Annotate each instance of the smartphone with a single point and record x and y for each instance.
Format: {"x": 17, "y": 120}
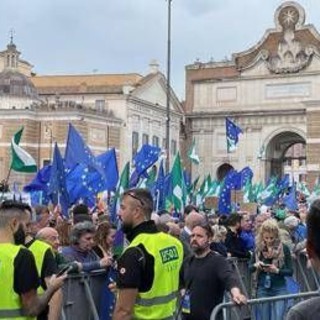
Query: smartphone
{"x": 64, "y": 270}
{"x": 265, "y": 265}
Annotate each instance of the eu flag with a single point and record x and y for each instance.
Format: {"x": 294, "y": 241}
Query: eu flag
{"x": 284, "y": 183}
{"x": 57, "y": 188}
{"x": 109, "y": 165}
{"x": 77, "y": 152}
{"x": 290, "y": 200}
{"x": 242, "y": 177}
{"x": 38, "y": 187}
{"x": 85, "y": 184}
{"x": 40, "y": 181}
{"x": 145, "y": 158}
{"x": 224, "y": 206}
{"x": 232, "y": 133}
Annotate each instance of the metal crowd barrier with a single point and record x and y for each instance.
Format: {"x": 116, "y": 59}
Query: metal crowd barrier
{"x": 303, "y": 273}
{"x": 241, "y": 269}
{"x": 82, "y": 292}
{"x": 82, "y": 295}
{"x": 231, "y": 311}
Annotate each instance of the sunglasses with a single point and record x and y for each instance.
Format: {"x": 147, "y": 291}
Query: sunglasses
{"x": 135, "y": 197}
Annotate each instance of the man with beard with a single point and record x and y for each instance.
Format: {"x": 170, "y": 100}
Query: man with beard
{"x": 148, "y": 270}
{"x": 18, "y": 272}
{"x": 205, "y": 276}
{"x": 45, "y": 262}
{"x": 233, "y": 241}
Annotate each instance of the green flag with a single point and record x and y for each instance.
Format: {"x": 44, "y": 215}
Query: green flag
{"x": 193, "y": 186}
{"x": 302, "y": 188}
{"x": 247, "y": 195}
{"x": 214, "y": 188}
{"x": 315, "y": 192}
{"x": 270, "y": 190}
{"x": 192, "y": 155}
{"x": 178, "y": 190}
{"x": 21, "y": 160}
{"x": 124, "y": 179}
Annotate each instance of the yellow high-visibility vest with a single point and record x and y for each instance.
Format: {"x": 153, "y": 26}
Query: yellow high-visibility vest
{"x": 10, "y": 302}
{"x": 39, "y": 248}
{"x": 160, "y": 301}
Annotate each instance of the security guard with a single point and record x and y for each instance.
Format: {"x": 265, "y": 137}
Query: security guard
{"x": 18, "y": 274}
{"x": 40, "y": 250}
{"x": 46, "y": 266}
{"x": 148, "y": 270}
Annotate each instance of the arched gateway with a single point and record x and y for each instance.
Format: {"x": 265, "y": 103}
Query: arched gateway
{"x": 285, "y": 154}
{"x": 272, "y": 92}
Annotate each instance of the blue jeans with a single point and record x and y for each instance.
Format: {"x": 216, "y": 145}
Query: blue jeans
{"x": 273, "y": 310}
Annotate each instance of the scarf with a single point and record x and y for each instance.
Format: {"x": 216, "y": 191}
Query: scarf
{"x": 275, "y": 253}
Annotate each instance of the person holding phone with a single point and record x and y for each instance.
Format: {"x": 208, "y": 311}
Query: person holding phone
{"x": 272, "y": 262}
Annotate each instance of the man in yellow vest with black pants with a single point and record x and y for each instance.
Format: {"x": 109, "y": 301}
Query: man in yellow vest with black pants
{"x": 18, "y": 273}
{"x": 148, "y": 270}
{"x": 46, "y": 266}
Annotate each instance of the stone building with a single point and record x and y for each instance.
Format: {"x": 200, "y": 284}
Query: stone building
{"x": 110, "y": 110}
{"x": 272, "y": 92}
{"x": 138, "y": 101}
{"x": 20, "y": 105}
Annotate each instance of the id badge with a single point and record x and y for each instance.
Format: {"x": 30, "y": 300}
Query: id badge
{"x": 186, "y": 303}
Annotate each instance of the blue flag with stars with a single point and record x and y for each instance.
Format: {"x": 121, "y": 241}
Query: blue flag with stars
{"x": 242, "y": 177}
{"x": 284, "y": 183}
{"x": 143, "y": 160}
{"x": 57, "y": 188}
{"x": 77, "y": 152}
{"x": 224, "y": 206}
{"x": 146, "y": 157}
{"x": 232, "y": 133}
{"x": 109, "y": 165}
{"x": 85, "y": 184}
{"x": 290, "y": 200}
{"x": 40, "y": 181}
{"x": 38, "y": 187}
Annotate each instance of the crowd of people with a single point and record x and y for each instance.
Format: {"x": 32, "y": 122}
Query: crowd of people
{"x": 169, "y": 268}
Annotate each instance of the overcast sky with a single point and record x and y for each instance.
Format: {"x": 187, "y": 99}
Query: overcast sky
{"x": 123, "y": 36}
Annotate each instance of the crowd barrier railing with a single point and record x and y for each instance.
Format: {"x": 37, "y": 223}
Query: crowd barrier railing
{"x": 303, "y": 273}
{"x": 82, "y": 292}
{"x": 241, "y": 269}
{"x": 82, "y": 295}
{"x": 231, "y": 311}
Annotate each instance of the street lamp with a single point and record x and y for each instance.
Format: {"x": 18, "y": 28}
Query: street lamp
{"x": 168, "y": 88}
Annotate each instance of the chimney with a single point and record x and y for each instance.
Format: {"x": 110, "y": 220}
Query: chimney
{"x": 154, "y": 66}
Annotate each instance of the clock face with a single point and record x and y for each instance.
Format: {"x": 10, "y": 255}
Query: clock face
{"x": 288, "y": 17}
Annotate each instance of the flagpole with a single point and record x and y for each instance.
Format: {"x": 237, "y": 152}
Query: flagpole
{"x": 157, "y": 201}
{"x": 168, "y": 88}
{"x": 8, "y": 175}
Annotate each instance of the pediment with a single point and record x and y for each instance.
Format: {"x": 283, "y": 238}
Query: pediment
{"x": 153, "y": 90}
{"x": 288, "y": 48}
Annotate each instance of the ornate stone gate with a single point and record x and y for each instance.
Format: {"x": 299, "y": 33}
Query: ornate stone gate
{"x": 272, "y": 91}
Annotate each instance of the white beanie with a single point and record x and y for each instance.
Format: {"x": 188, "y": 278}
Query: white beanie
{"x": 291, "y": 222}
{"x": 264, "y": 209}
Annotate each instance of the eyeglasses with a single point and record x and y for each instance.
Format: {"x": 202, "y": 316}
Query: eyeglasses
{"x": 135, "y": 197}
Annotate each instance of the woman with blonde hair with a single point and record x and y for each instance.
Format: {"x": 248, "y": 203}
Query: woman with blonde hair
{"x": 272, "y": 261}
{"x": 219, "y": 238}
